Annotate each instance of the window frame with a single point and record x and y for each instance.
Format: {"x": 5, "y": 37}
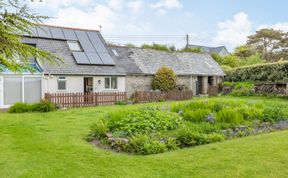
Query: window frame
{"x": 75, "y": 42}
{"x": 110, "y": 83}
{"x": 62, "y": 79}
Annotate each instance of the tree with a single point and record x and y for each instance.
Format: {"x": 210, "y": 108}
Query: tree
{"x": 267, "y": 42}
{"x": 164, "y": 80}
{"x": 15, "y": 20}
{"x": 244, "y": 51}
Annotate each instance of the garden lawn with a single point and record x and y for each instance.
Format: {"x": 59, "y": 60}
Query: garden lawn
{"x": 52, "y": 145}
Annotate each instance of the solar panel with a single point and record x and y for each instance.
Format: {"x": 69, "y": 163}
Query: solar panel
{"x": 85, "y": 42}
{"x": 94, "y": 58}
{"x": 106, "y": 58}
{"x": 43, "y": 32}
{"x": 100, "y": 48}
{"x": 57, "y": 33}
{"x": 81, "y": 58}
{"x": 70, "y": 34}
{"x": 97, "y": 42}
{"x": 33, "y": 31}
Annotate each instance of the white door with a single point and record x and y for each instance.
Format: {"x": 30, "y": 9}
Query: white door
{"x": 1, "y": 91}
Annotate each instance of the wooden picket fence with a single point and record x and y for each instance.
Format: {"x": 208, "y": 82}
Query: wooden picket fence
{"x": 213, "y": 90}
{"x": 85, "y": 99}
{"x": 153, "y": 96}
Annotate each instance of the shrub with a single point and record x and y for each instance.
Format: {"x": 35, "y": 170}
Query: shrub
{"x": 187, "y": 137}
{"x": 251, "y": 113}
{"x": 20, "y": 108}
{"x": 273, "y": 114}
{"x": 229, "y": 116}
{"x": 121, "y": 103}
{"x": 155, "y": 46}
{"x": 43, "y": 106}
{"x": 98, "y": 130}
{"x": 171, "y": 144}
{"x": 198, "y": 115}
{"x": 142, "y": 144}
{"x": 269, "y": 72}
{"x": 243, "y": 89}
{"x": 143, "y": 121}
{"x": 192, "y": 50}
{"x": 214, "y": 137}
{"x": 164, "y": 80}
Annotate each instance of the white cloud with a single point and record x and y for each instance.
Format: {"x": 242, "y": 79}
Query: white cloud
{"x": 58, "y": 3}
{"x": 163, "y": 5}
{"x": 72, "y": 17}
{"x": 135, "y": 5}
{"x": 278, "y": 26}
{"x": 234, "y": 32}
{"x": 115, "y": 4}
{"x": 167, "y": 4}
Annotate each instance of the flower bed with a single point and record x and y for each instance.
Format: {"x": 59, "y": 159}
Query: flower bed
{"x": 152, "y": 130}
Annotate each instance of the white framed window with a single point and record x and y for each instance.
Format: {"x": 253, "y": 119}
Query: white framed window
{"x": 62, "y": 83}
{"x": 74, "y": 46}
{"x": 111, "y": 83}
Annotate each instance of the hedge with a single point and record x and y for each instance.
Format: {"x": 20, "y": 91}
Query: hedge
{"x": 269, "y": 72}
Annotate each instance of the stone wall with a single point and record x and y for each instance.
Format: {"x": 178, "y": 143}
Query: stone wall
{"x": 144, "y": 83}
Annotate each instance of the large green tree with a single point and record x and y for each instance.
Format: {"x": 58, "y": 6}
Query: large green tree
{"x": 15, "y": 20}
{"x": 268, "y": 42}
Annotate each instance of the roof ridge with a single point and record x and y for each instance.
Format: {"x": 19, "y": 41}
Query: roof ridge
{"x": 70, "y": 28}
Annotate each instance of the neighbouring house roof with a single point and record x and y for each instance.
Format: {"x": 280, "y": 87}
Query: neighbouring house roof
{"x": 222, "y": 50}
{"x": 95, "y": 59}
{"x": 148, "y": 61}
{"x": 34, "y": 67}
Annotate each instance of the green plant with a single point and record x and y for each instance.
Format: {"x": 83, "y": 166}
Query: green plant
{"x": 171, "y": 144}
{"x": 192, "y": 50}
{"x": 121, "y": 103}
{"x": 273, "y": 114}
{"x": 98, "y": 130}
{"x": 157, "y": 47}
{"x": 20, "y": 108}
{"x": 243, "y": 89}
{"x": 187, "y": 137}
{"x": 229, "y": 116}
{"x": 144, "y": 120}
{"x": 43, "y": 106}
{"x": 214, "y": 137}
{"x": 198, "y": 115}
{"x": 164, "y": 80}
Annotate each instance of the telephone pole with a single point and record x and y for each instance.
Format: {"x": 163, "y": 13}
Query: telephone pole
{"x": 187, "y": 41}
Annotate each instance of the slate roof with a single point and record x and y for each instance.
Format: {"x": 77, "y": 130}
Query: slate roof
{"x": 210, "y": 50}
{"x": 58, "y": 46}
{"x": 148, "y": 61}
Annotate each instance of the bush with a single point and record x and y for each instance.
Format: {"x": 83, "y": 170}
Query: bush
{"x": 20, "y": 108}
{"x": 121, "y": 103}
{"x": 144, "y": 120}
{"x": 142, "y": 144}
{"x": 164, "y": 80}
{"x": 269, "y": 72}
{"x": 43, "y": 106}
{"x": 273, "y": 114}
{"x": 198, "y": 115}
{"x": 230, "y": 116}
{"x": 192, "y": 50}
{"x": 155, "y": 46}
{"x": 243, "y": 89}
{"x": 98, "y": 130}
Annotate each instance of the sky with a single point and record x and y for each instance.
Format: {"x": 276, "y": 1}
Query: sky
{"x": 208, "y": 22}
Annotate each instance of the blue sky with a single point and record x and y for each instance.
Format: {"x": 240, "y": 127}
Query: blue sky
{"x": 208, "y": 22}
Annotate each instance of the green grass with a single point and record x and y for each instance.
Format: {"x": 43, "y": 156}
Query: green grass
{"x": 52, "y": 145}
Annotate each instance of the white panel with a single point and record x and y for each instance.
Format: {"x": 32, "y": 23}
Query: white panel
{"x": 32, "y": 89}
{"x": 12, "y": 90}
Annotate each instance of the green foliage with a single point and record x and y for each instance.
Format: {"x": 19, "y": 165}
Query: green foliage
{"x": 251, "y": 60}
{"x": 155, "y": 46}
{"x": 243, "y": 89}
{"x": 198, "y": 115}
{"x": 121, "y": 103}
{"x": 229, "y": 115}
{"x": 20, "y": 108}
{"x": 142, "y": 144}
{"x": 270, "y": 72}
{"x": 17, "y": 19}
{"x": 98, "y": 130}
{"x": 273, "y": 114}
{"x": 43, "y": 106}
{"x": 130, "y": 45}
{"x": 229, "y": 60}
{"x": 164, "y": 80}
{"x": 244, "y": 51}
{"x": 192, "y": 50}
{"x": 144, "y": 120}
{"x": 188, "y": 137}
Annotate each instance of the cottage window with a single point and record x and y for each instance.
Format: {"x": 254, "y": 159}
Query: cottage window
{"x": 74, "y": 46}
{"x": 111, "y": 83}
{"x": 62, "y": 83}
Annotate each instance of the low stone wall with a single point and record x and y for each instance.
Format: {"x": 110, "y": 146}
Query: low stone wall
{"x": 276, "y": 89}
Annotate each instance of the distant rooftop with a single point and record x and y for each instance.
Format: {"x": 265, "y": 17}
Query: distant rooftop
{"x": 221, "y": 50}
